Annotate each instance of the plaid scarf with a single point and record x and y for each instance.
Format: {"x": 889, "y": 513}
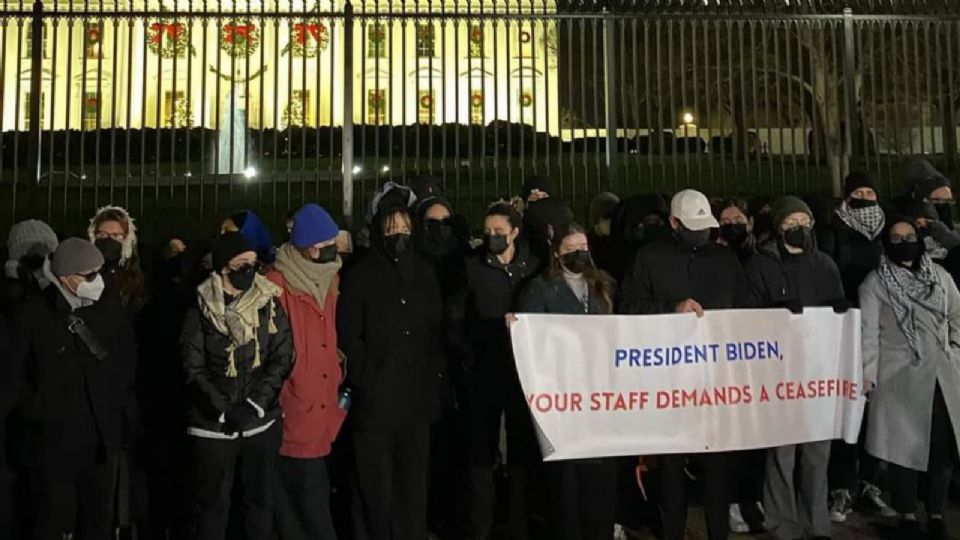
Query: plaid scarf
{"x": 866, "y": 221}
{"x": 240, "y": 319}
{"x": 911, "y": 289}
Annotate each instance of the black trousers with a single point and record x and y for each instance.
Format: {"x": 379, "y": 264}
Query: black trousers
{"x": 905, "y": 482}
{"x": 496, "y": 394}
{"x": 390, "y": 483}
{"x": 303, "y": 500}
{"x": 73, "y": 492}
{"x": 583, "y": 499}
{"x": 716, "y": 470}
{"x": 850, "y": 463}
{"x": 216, "y": 463}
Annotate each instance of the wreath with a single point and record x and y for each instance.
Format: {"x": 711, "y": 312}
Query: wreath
{"x": 425, "y": 32}
{"x": 93, "y": 34}
{"x": 91, "y": 105}
{"x": 525, "y": 36}
{"x": 375, "y": 101}
{"x": 377, "y": 34}
{"x": 426, "y": 101}
{"x": 169, "y": 40}
{"x": 526, "y": 100}
{"x": 476, "y": 42}
{"x": 238, "y": 39}
{"x": 476, "y": 100}
{"x": 308, "y": 39}
{"x": 182, "y": 115}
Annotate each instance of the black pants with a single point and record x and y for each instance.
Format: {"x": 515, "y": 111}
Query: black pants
{"x": 850, "y": 463}
{"x": 494, "y": 394}
{"x": 716, "y": 472}
{"x": 215, "y": 464}
{"x": 303, "y": 500}
{"x": 943, "y": 458}
{"x": 74, "y": 493}
{"x": 390, "y": 483}
{"x": 582, "y": 499}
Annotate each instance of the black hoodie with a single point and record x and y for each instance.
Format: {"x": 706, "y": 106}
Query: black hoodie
{"x": 777, "y": 278}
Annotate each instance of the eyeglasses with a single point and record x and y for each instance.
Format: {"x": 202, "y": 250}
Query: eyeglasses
{"x": 900, "y": 239}
{"x": 941, "y": 201}
{"x": 119, "y": 237}
{"x": 90, "y": 276}
{"x": 793, "y": 224}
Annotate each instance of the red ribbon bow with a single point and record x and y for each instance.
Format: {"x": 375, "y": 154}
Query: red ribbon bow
{"x": 171, "y": 30}
{"x": 233, "y": 31}
{"x": 303, "y": 30}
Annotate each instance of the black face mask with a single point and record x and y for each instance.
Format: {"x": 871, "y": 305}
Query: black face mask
{"x": 497, "y": 244}
{"x": 945, "y": 213}
{"x": 396, "y": 245}
{"x": 327, "y": 254}
{"x": 242, "y": 278}
{"x": 905, "y": 253}
{"x": 31, "y": 262}
{"x": 641, "y": 234}
{"x": 576, "y": 262}
{"x": 438, "y": 230}
{"x": 111, "y": 249}
{"x": 693, "y": 238}
{"x": 857, "y": 204}
{"x": 799, "y": 237}
{"x": 735, "y": 234}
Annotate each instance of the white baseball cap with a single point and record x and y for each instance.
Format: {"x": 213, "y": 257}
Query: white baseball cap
{"x": 693, "y": 210}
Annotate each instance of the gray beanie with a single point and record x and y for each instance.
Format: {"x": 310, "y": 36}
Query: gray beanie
{"x": 75, "y": 256}
{"x": 31, "y": 237}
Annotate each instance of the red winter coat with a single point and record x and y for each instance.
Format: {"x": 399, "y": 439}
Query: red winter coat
{"x": 311, "y": 417}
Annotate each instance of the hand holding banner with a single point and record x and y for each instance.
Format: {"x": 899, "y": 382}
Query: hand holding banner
{"x": 616, "y": 385}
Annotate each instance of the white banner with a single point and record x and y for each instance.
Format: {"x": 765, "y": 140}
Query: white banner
{"x": 661, "y": 384}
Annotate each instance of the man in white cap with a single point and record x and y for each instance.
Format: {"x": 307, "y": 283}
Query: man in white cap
{"x": 75, "y": 356}
{"x": 686, "y": 273}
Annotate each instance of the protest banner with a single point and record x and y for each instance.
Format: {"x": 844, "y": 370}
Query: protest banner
{"x": 617, "y": 385}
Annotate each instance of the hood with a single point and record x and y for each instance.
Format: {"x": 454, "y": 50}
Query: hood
{"x": 632, "y": 210}
{"x": 923, "y": 178}
{"x": 258, "y": 235}
{"x": 30, "y": 237}
{"x": 391, "y": 195}
{"x": 129, "y": 243}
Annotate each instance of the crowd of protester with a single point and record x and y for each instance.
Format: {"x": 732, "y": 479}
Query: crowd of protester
{"x": 362, "y": 385}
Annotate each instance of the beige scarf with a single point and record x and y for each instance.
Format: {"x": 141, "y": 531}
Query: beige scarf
{"x": 305, "y": 276}
{"x": 239, "y": 320}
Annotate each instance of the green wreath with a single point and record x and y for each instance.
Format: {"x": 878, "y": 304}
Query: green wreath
{"x": 476, "y": 101}
{"x": 169, "y": 40}
{"x": 307, "y": 39}
{"x": 238, "y": 39}
{"x": 526, "y": 100}
{"x": 426, "y": 101}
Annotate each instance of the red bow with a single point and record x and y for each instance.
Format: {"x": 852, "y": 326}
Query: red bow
{"x": 233, "y": 31}
{"x": 159, "y": 29}
{"x": 303, "y": 29}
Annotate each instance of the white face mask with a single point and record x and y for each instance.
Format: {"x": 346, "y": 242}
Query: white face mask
{"x": 91, "y": 290}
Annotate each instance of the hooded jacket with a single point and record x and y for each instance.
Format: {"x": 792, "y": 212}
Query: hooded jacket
{"x": 539, "y": 218}
{"x": 252, "y": 228}
{"x": 777, "y": 278}
{"x": 854, "y": 254}
{"x": 668, "y": 272}
{"x": 390, "y": 327}
{"x": 129, "y": 246}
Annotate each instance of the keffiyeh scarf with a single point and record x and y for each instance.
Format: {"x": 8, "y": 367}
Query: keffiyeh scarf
{"x": 866, "y": 221}
{"x": 910, "y": 290}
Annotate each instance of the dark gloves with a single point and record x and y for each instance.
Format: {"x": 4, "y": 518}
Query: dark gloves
{"x": 239, "y": 417}
{"x": 793, "y": 306}
{"x": 841, "y": 305}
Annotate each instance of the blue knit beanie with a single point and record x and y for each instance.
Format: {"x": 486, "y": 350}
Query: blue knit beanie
{"x": 312, "y": 225}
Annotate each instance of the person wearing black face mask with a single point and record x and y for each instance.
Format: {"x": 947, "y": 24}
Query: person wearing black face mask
{"x": 114, "y": 233}
{"x": 237, "y": 352}
{"x": 736, "y": 229}
{"x": 929, "y": 202}
{"x": 790, "y": 272}
{"x": 688, "y": 274}
{"x": 638, "y": 220}
{"x": 910, "y": 309}
{"x": 581, "y": 494}
{"x": 495, "y": 274}
{"x": 852, "y": 238}
{"x": 307, "y": 269}
{"x": 390, "y": 328}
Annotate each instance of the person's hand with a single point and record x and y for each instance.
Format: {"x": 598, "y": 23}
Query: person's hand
{"x": 690, "y": 306}
{"x": 239, "y": 417}
{"x": 344, "y": 242}
{"x": 840, "y": 306}
{"x": 868, "y": 388}
{"x": 792, "y": 306}
{"x": 509, "y": 319}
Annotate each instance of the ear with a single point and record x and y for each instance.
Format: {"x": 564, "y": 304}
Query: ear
{"x": 674, "y": 223}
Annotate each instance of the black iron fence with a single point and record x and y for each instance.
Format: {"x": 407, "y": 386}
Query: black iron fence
{"x": 185, "y": 111}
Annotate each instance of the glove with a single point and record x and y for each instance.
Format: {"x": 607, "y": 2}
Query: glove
{"x": 239, "y": 417}
{"x": 793, "y": 306}
{"x": 841, "y": 305}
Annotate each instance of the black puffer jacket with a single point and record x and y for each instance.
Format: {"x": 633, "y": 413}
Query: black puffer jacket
{"x": 492, "y": 292}
{"x": 69, "y": 398}
{"x": 211, "y": 392}
{"x": 855, "y": 254}
{"x": 667, "y": 272}
{"x": 780, "y": 279}
{"x": 390, "y": 326}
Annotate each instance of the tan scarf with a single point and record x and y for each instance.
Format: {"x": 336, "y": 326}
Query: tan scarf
{"x": 240, "y": 320}
{"x": 305, "y": 276}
